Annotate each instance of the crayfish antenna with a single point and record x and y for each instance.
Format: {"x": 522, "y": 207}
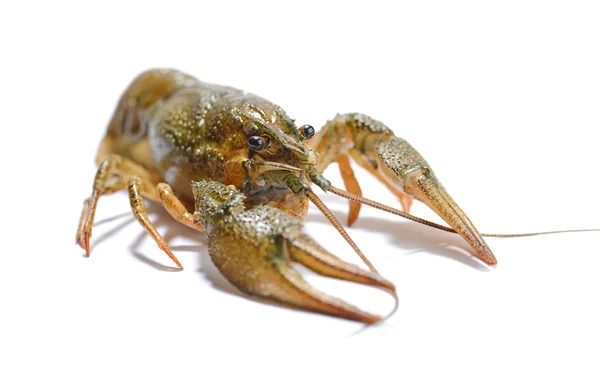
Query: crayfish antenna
{"x": 406, "y": 215}
{"x": 333, "y": 220}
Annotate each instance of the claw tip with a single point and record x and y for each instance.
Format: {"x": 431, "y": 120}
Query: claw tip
{"x": 491, "y": 261}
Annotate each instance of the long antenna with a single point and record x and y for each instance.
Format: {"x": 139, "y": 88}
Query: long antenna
{"x": 332, "y": 219}
{"x": 380, "y": 206}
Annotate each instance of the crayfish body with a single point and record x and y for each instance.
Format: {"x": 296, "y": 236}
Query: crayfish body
{"x": 235, "y": 166}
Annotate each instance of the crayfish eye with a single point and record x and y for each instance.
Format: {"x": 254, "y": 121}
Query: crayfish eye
{"x": 256, "y": 143}
{"x": 308, "y": 131}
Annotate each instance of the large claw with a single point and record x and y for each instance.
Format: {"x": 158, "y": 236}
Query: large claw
{"x": 397, "y": 165}
{"x": 254, "y": 249}
{"x": 402, "y": 165}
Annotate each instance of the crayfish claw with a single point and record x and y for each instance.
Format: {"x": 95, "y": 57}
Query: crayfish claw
{"x": 307, "y": 252}
{"x": 303, "y": 295}
{"x": 412, "y": 174}
{"x": 396, "y": 164}
{"x": 255, "y": 250}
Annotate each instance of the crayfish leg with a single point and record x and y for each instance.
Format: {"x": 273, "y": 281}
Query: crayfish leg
{"x": 352, "y": 186}
{"x": 116, "y": 173}
{"x": 138, "y": 206}
{"x": 112, "y": 175}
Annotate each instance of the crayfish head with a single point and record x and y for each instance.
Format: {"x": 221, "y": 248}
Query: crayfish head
{"x": 277, "y": 148}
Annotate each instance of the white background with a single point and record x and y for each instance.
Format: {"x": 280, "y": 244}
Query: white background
{"x": 501, "y": 99}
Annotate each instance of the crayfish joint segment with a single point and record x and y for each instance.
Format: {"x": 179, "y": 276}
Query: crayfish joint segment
{"x": 255, "y": 250}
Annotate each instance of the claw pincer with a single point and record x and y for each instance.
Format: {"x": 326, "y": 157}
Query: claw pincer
{"x": 254, "y": 249}
{"x": 398, "y": 166}
{"x": 413, "y": 175}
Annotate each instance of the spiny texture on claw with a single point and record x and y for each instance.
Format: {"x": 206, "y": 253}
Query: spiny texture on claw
{"x": 412, "y": 173}
{"x": 395, "y": 163}
{"x": 254, "y": 250}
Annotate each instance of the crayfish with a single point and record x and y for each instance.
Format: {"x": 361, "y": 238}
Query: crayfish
{"x": 236, "y": 167}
